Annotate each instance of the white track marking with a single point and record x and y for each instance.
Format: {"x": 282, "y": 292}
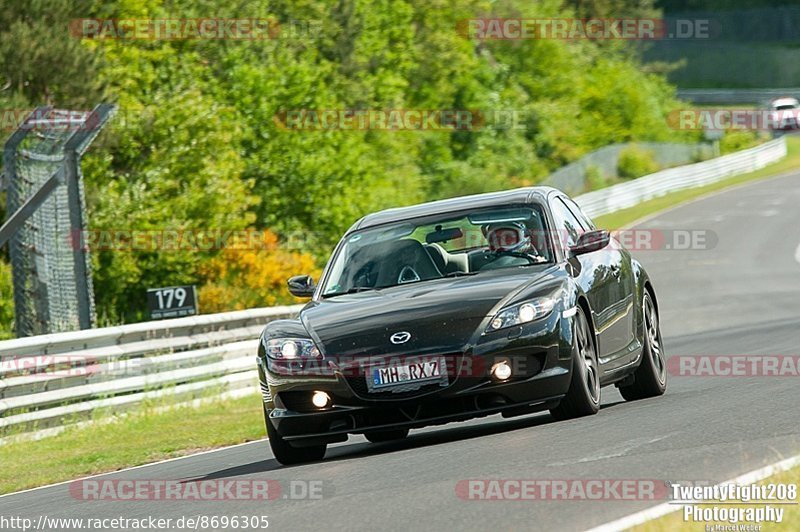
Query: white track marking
{"x": 797, "y": 253}
{"x": 667, "y": 508}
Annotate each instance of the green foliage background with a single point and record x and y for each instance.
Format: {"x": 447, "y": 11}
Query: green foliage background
{"x": 195, "y": 144}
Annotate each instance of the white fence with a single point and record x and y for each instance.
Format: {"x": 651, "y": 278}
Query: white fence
{"x": 572, "y": 177}
{"x": 52, "y": 380}
{"x": 631, "y": 193}
{"x": 735, "y": 96}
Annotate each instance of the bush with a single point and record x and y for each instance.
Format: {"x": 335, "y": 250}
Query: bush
{"x": 594, "y": 178}
{"x": 635, "y": 162}
{"x": 242, "y": 277}
{"x": 6, "y": 302}
{"x": 734, "y": 141}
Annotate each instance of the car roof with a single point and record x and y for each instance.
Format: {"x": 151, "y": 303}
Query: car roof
{"x": 785, "y": 101}
{"x": 492, "y": 199}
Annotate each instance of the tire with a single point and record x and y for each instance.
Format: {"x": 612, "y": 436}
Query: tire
{"x": 380, "y": 436}
{"x": 288, "y": 455}
{"x": 583, "y": 395}
{"x": 650, "y": 378}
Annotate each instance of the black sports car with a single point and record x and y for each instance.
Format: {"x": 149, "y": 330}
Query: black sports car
{"x": 509, "y": 302}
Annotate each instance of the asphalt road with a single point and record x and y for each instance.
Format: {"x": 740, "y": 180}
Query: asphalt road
{"x": 741, "y": 297}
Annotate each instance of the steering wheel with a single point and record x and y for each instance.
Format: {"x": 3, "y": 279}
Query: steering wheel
{"x": 533, "y": 259}
{"x": 366, "y": 276}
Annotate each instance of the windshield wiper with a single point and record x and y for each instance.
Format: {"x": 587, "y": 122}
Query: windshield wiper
{"x": 357, "y": 289}
{"x": 353, "y": 290}
{"x": 459, "y": 273}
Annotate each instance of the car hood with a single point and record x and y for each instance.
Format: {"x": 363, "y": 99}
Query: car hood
{"x": 441, "y": 316}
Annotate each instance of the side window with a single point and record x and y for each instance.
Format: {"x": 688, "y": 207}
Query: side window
{"x": 568, "y": 227}
{"x": 587, "y": 224}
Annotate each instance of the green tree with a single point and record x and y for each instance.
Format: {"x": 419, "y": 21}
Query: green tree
{"x": 198, "y": 141}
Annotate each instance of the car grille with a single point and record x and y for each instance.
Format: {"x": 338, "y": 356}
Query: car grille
{"x": 358, "y": 383}
{"x": 265, "y": 394}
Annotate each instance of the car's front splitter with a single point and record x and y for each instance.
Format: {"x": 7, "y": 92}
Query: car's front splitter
{"x": 334, "y": 423}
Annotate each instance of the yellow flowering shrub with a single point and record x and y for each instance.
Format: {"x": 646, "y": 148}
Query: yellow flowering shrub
{"x": 251, "y": 272}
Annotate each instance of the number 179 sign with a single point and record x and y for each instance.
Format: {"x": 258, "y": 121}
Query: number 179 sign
{"x": 171, "y": 302}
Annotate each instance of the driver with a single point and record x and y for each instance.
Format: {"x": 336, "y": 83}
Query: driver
{"x": 508, "y": 237}
{"x": 508, "y": 242}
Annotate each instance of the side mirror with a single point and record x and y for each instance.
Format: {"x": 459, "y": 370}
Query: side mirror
{"x": 301, "y": 286}
{"x": 591, "y": 241}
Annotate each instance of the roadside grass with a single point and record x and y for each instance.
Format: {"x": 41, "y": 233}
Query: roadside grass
{"x": 139, "y": 437}
{"x": 626, "y": 217}
{"x": 732, "y": 106}
{"x": 791, "y": 516}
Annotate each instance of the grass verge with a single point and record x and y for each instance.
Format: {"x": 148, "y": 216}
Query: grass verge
{"x": 140, "y": 437}
{"x": 623, "y": 218}
{"x": 675, "y": 521}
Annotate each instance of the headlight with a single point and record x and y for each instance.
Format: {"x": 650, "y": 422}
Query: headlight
{"x": 292, "y": 349}
{"x": 520, "y": 313}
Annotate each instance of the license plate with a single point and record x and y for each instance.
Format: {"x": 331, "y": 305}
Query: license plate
{"x": 409, "y": 371}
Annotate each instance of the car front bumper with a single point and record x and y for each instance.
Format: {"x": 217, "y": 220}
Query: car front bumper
{"x": 540, "y": 354}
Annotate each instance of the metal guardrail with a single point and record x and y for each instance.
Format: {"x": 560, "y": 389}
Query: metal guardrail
{"x": 736, "y": 96}
{"x": 631, "y": 193}
{"x": 56, "y": 379}
{"x": 572, "y": 178}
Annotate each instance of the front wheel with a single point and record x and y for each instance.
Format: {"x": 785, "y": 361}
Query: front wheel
{"x": 285, "y": 453}
{"x": 650, "y": 378}
{"x": 583, "y": 396}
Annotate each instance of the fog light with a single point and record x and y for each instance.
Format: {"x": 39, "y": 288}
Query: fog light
{"x": 501, "y": 371}
{"x": 321, "y": 399}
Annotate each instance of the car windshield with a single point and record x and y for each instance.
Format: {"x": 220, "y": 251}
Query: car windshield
{"x": 430, "y": 248}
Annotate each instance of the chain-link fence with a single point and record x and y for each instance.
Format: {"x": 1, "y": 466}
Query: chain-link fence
{"x": 45, "y": 205}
